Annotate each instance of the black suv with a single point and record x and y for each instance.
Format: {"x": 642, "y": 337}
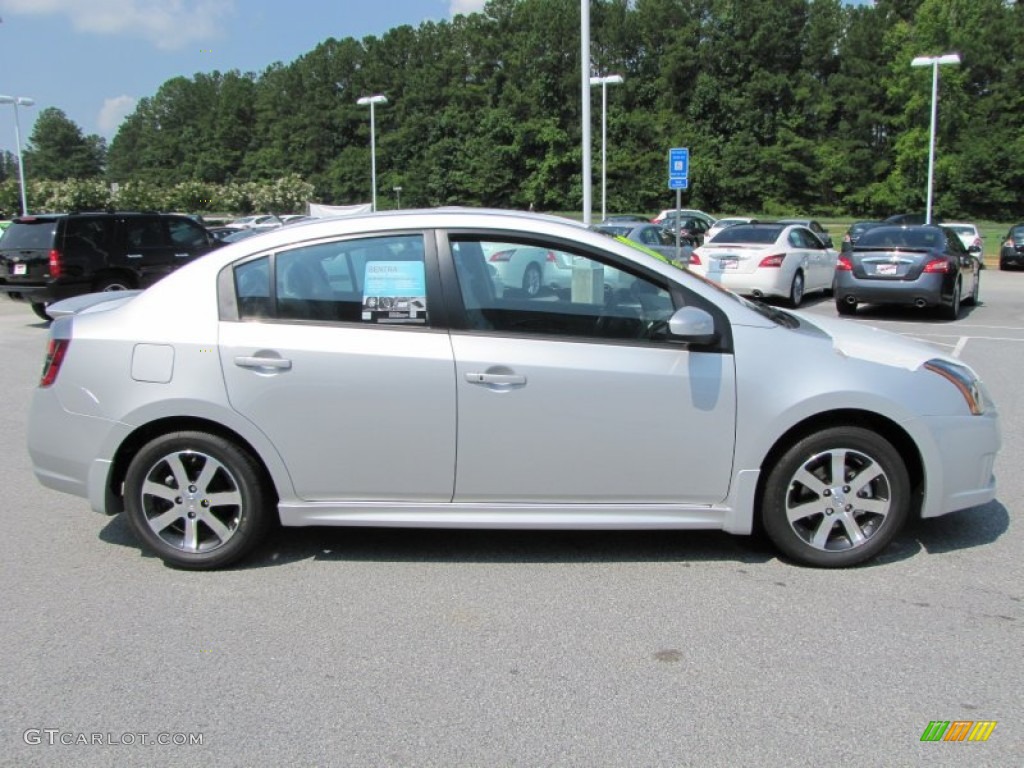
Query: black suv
{"x": 49, "y": 256}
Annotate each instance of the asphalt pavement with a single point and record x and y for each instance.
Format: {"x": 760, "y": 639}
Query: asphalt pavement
{"x": 365, "y": 647}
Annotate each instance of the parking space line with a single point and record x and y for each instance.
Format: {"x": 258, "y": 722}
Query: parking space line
{"x": 960, "y": 346}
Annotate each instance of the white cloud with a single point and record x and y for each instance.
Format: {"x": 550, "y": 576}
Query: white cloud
{"x": 167, "y": 23}
{"x": 465, "y": 6}
{"x": 113, "y": 111}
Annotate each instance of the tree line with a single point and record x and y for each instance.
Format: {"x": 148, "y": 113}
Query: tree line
{"x": 785, "y": 105}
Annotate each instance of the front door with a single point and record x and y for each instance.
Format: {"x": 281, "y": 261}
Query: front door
{"x": 573, "y": 397}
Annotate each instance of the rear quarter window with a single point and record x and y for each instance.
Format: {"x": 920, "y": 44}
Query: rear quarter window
{"x": 25, "y": 235}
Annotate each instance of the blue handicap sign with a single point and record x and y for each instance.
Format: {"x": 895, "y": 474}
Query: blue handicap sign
{"x": 678, "y": 163}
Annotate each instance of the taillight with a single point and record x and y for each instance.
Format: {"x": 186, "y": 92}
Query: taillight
{"x": 844, "y": 265}
{"x": 937, "y": 265}
{"x": 502, "y": 255}
{"x": 773, "y": 261}
{"x": 54, "y": 358}
{"x": 55, "y": 266}
{"x": 694, "y": 258}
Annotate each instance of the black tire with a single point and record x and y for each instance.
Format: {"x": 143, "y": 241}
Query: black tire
{"x": 40, "y": 309}
{"x": 951, "y": 311}
{"x": 796, "y": 290}
{"x": 112, "y": 283}
{"x": 836, "y": 524}
{"x": 196, "y": 500}
{"x": 532, "y": 279}
{"x": 847, "y": 308}
{"x": 1003, "y": 265}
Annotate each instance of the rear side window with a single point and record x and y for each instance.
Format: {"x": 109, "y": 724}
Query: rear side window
{"x": 88, "y": 235}
{"x": 38, "y": 234}
{"x": 144, "y": 232}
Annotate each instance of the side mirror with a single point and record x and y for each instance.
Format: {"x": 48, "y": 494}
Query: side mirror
{"x": 693, "y": 325}
{"x": 975, "y": 249}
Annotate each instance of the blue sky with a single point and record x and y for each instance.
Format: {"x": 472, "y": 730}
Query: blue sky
{"x": 94, "y": 58}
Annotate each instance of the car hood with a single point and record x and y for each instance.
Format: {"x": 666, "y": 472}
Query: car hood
{"x": 864, "y": 342}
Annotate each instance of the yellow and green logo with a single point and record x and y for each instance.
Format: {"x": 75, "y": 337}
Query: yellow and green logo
{"x": 958, "y": 730}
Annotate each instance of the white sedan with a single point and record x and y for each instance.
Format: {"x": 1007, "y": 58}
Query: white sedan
{"x": 762, "y": 260}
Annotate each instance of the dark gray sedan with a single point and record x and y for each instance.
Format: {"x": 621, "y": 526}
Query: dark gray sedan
{"x": 922, "y": 266}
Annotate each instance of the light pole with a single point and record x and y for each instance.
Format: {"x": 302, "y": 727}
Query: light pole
{"x": 373, "y": 101}
{"x": 22, "y": 101}
{"x": 604, "y": 82}
{"x": 933, "y": 62}
{"x": 398, "y": 196}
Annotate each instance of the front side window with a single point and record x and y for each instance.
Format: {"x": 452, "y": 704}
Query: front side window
{"x": 186, "y": 234}
{"x": 526, "y": 288}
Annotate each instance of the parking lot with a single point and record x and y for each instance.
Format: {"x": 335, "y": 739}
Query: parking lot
{"x": 481, "y": 648}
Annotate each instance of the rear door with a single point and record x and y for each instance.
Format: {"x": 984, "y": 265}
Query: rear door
{"x": 333, "y": 354}
{"x": 145, "y": 248}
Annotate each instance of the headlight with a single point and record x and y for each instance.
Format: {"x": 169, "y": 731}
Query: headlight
{"x": 963, "y": 378}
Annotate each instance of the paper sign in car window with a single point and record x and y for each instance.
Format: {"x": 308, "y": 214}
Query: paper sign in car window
{"x": 395, "y": 292}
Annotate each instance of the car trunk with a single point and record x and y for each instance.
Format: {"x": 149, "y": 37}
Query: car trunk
{"x": 902, "y": 264}
{"x": 738, "y": 259}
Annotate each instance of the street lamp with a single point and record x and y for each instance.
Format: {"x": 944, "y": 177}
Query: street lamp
{"x": 19, "y": 101}
{"x": 373, "y": 101}
{"x": 933, "y": 62}
{"x": 398, "y": 196}
{"x": 604, "y": 82}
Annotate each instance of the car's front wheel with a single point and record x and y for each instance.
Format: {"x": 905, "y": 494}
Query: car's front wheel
{"x": 112, "y": 284}
{"x": 196, "y": 500}
{"x": 836, "y": 498}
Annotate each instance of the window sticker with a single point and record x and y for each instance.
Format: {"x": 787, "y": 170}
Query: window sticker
{"x": 395, "y": 292}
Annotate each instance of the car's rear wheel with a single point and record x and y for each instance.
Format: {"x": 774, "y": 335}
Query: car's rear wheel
{"x": 951, "y": 311}
{"x": 532, "y": 280}
{"x": 40, "y": 309}
{"x": 836, "y": 498}
{"x": 796, "y": 290}
{"x": 196, "y": 500}
{"x": 844, "y": 307}
{"x": 973, "y": 298}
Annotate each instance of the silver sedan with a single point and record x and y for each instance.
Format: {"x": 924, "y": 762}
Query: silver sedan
{"x": 372, "y": 371}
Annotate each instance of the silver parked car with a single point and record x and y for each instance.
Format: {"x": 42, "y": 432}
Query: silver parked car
{"x": 371, "y": 371}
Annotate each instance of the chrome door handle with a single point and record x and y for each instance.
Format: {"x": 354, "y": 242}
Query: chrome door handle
{"x": 276, "y": 363}
{"x": 497, "y": 379}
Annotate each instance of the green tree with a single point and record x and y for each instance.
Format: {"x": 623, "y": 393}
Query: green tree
{"x": 57, "y": 149}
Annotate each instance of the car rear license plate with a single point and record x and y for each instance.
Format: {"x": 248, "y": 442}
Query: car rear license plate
{"x": 885, "y": 269}
{"x": 20, "y": 269}
{"x": 728, "y": 262}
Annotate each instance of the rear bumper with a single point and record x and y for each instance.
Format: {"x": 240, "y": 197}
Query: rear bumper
{"x": 926, "y": 291}
{"x": 1011, "y": 257}
{"x": 44, "y": 293}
